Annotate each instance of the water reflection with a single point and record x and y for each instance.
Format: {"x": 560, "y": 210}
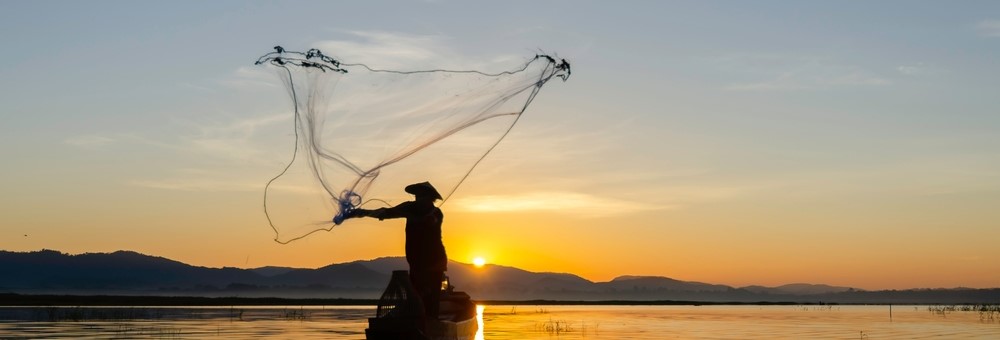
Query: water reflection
{"x": 479, "y": 321}
{"x": 504, "y": 322}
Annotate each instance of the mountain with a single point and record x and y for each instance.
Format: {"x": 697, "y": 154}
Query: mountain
{"x": 131, "y": 273}
{"x": 272, "y": 270}
{"x": 385, "y": 265}
{"x": 661, "y": 283}
{"x": 798, "y": 289}
{"x": 347, "y": 275}
{"x": 48, "y": 269}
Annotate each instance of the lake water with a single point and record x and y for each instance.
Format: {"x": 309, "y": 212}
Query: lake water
{"x": 509, "y": 322}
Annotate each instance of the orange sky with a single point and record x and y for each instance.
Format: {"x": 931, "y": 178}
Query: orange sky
{"x": 851, "y": 144}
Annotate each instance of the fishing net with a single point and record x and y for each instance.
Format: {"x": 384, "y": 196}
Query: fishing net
{"x": 363, "y": 133}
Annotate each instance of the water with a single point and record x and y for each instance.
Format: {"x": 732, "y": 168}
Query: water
{"x": 507, "y": 322}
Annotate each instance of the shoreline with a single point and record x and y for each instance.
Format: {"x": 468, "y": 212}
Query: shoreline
{"x": 52, "y": 300}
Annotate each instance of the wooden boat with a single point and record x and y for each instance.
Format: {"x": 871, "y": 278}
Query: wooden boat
{"x": 400, "y": 314}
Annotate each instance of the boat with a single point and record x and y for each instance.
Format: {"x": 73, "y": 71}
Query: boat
{"x": 400, "y": 314}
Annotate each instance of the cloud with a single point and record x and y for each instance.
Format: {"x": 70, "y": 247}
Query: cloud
{"x": 920, "y": 69}
{"x": 249, "y": 78}
{"x": 856, "y": 78}
{"x": 402, "y": 51}
{"x": 212, "y": 185}
{"x": 234, "y": 140}
{"x": 245, "y": 128}
{"x": 206, "y": 180}
{"x": 199, "y": 88}
{"x": 387, "y": 50}
{"x": 89, "y": 141}
{"x": 691, "y": 194}
{"x": 781, "y": 73}
{"x": 911, "y": 69}
{"x": 236, "y": 144}
{"x": 812, "y": 79}
{"x": 989, "y": 28}
{"x": 562, "y": 202}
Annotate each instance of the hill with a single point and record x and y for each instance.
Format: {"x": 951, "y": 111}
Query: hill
{"x": 131, "y": 273}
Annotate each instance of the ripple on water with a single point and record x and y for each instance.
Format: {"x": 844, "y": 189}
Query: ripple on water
{"x": 514, "y": 322}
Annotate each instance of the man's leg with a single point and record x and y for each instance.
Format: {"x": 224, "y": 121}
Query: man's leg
{"x": 428, "y": 287}
{"x": 432, "y": 301}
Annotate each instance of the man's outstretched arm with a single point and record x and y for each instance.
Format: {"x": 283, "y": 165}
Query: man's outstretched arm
{"x": 398, "y": 211}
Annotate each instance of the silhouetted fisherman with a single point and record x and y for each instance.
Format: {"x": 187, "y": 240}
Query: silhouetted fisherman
{"x": 424, "y": 249}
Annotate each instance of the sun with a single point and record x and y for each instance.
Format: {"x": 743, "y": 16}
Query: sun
{"x": 479, "y": 262}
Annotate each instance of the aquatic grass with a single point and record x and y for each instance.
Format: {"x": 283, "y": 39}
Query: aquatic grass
{"x": 235, "y": 313}
{"x": 128, "y": 331}
{"x": 291, "y": 314}
{"x": 557, "y": 327}
{"x": 76, "y": 314}
{"x": 513, "y": 311}
{"x": 987, "y": 312}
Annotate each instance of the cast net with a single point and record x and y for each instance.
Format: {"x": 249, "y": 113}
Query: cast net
{"x": 363, "y": 133}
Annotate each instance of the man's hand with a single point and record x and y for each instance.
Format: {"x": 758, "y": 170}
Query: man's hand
{"x": 357, "y": 212}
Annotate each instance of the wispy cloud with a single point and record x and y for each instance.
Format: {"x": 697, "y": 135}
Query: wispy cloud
{"x": 89, "y": 141}
{"x": 687, "y": 195}
{"x": 234, "y": 140}
{"x": 855, "y": 78}
{"x": 817, "y": 78}
{"x": 213, "y": 185}
{"x": 781, "y": 73}
{"x": 390, "y": 47}
{"x": 217, "y": 180}
{"x": 391, "y": 50}
{"x": 562, "y": 202}
{"x": 199, "y": 88}
{"x": 989, "y": 28}
{"x": 911, "y": 69}
{"x": 217, "y": 148}
{"x": 250, "y": 77}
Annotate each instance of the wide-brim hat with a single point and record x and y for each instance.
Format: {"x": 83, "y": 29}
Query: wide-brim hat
{"x": 423, "y": 189}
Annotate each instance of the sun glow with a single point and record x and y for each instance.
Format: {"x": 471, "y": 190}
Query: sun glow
{"x": 479, "y": 262}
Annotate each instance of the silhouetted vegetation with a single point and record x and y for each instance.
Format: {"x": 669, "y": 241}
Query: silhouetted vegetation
{"x": 987, "y": 312}
{"x": 117, "y": 300}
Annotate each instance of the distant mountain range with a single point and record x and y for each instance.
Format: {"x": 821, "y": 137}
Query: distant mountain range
{"x": 131, "y": 273}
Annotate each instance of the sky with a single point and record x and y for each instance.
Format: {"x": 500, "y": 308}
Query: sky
{"x": 741, "y": 143}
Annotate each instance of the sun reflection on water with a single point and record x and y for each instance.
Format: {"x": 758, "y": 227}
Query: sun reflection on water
{"x": 479, "y": 321}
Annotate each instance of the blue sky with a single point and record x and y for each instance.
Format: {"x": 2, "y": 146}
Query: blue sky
{"x": 734, "y": 134}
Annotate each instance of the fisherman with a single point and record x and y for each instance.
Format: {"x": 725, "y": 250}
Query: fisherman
{"x": 424, "y": 249}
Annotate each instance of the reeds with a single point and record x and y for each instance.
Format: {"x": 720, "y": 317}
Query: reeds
{"x": 556, "y": 327}
{"x": 58, "y": 314}
{"x": 987, "y": 312}
{"x": 292, "y": 314}
{"x": 127, "y": 331}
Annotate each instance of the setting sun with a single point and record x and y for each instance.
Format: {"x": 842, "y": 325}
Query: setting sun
{"x": 479, "y": 262}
